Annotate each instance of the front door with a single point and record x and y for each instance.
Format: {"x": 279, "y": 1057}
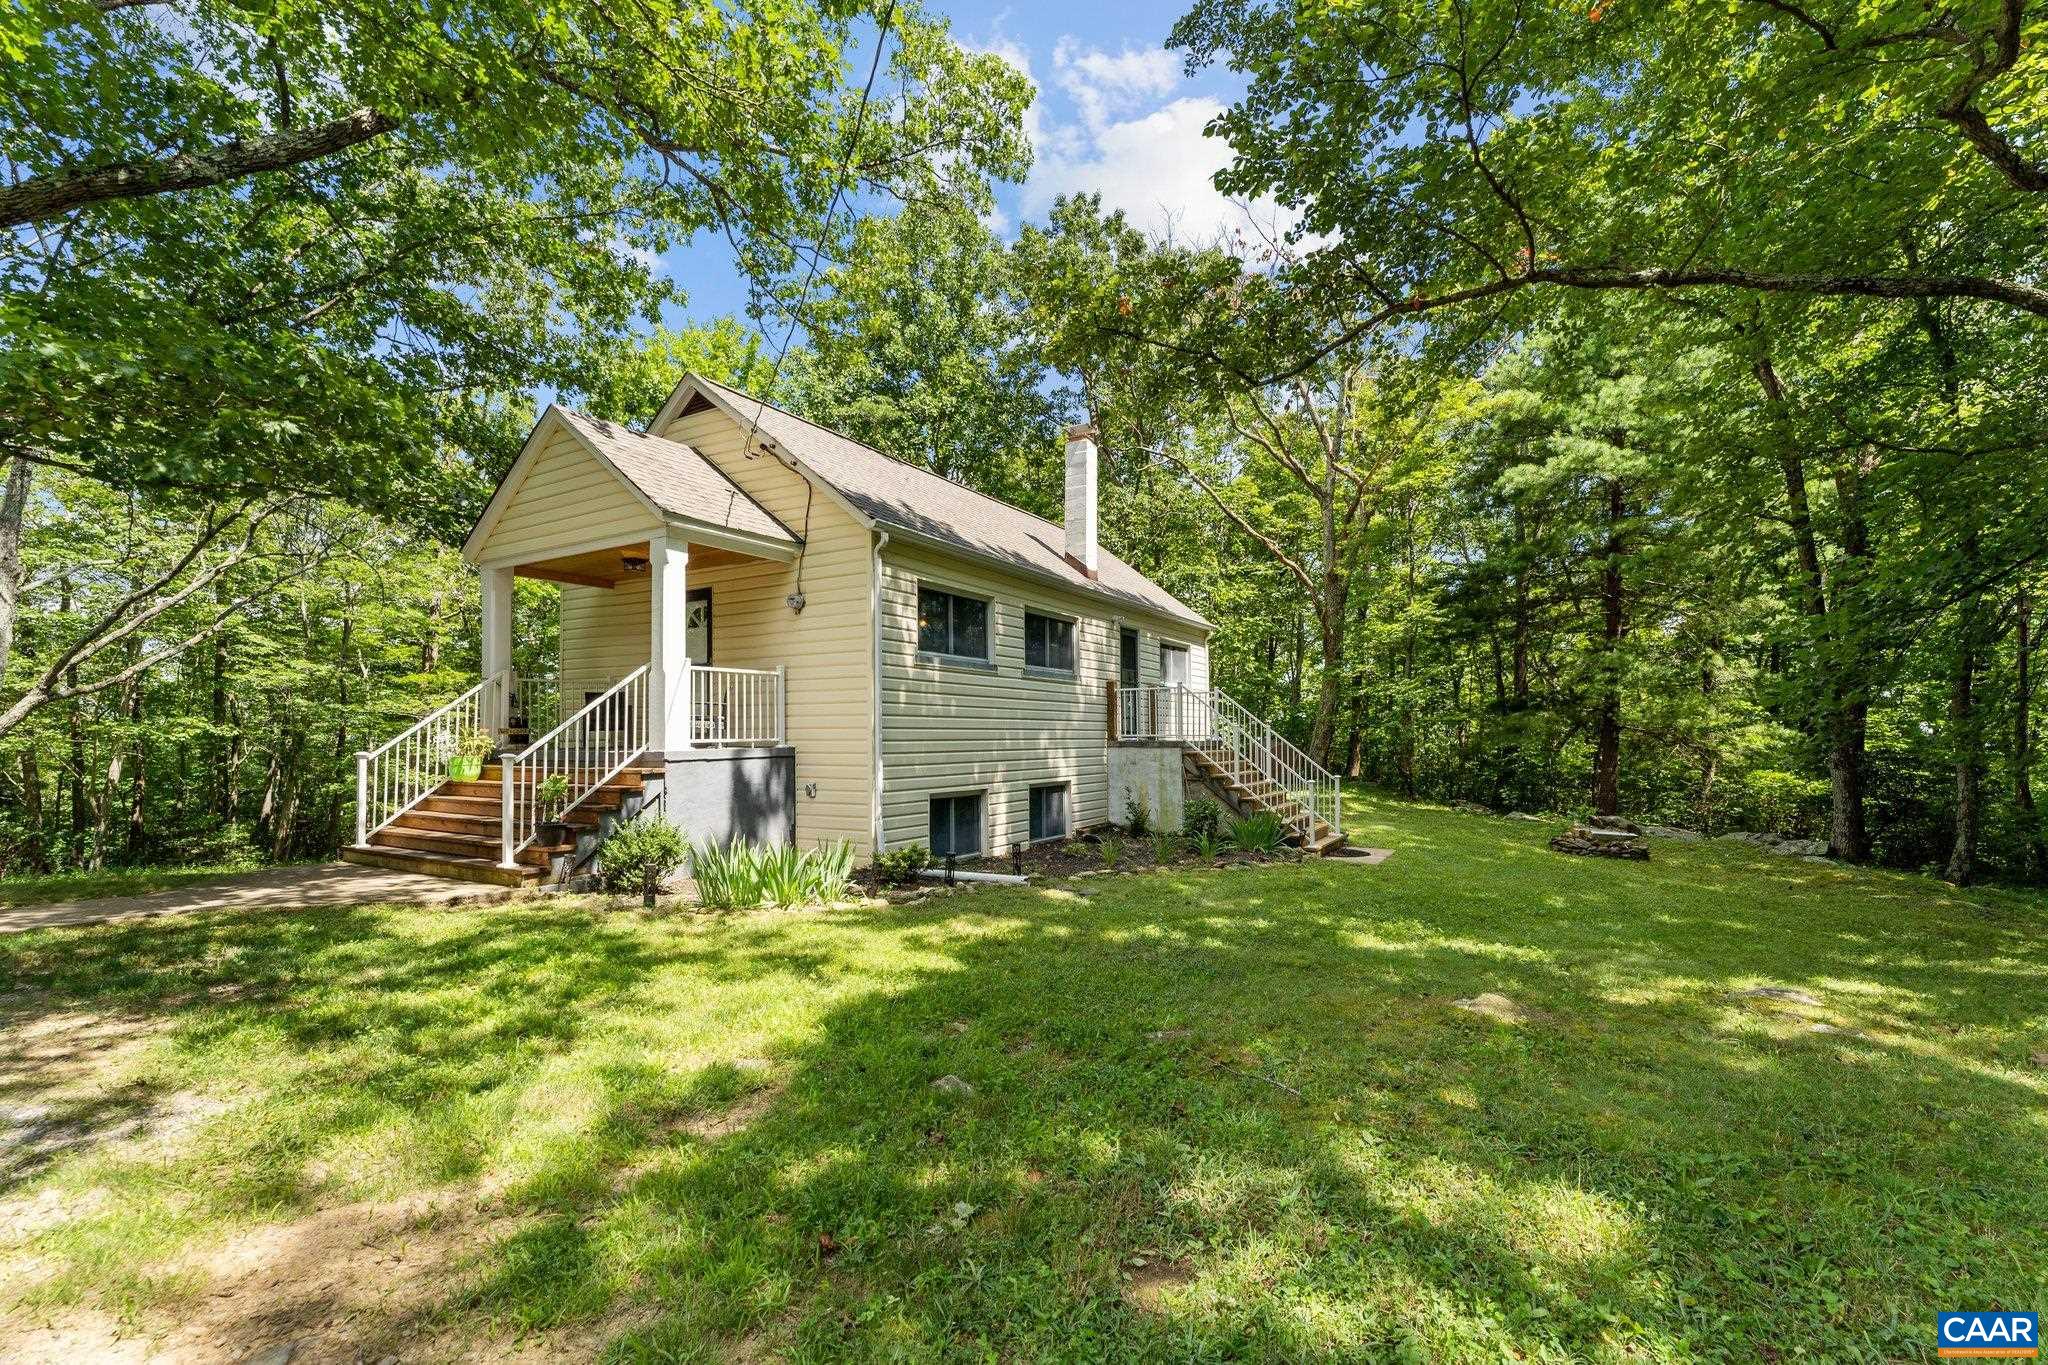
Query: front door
{"x": 1127, "y": 678}
{"x": 697, "y": 625}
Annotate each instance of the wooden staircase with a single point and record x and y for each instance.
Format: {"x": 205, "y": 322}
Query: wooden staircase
{"x": 454, "y": 831}
{"x": 1246, "y": 789}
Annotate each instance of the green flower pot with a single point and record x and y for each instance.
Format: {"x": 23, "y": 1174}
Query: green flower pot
{"x": 465, "y": 769}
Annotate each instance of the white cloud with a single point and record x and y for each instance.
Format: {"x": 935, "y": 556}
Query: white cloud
{"x": 1131, "y": 139}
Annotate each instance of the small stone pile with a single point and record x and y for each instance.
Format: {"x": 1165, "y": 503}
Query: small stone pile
{"x": 1604, "y": 836}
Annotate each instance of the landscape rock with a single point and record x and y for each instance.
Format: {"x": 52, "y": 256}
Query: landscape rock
{"x": 1470, "y": 808}
{"x": 1751, "y": 837}
{"x": 1801, "y": 848}
{"x": 1788, "y": 994}
{"x": 1499, "y": 1008}
{"x": 1601, "y": 844}
{"x": 274, "y": 1355}
{"x": 1524, "y": 815}
{"x": 953, "y": 1085}
{"x": 1683, "y": 836}
{"x": 1616, "y": 822}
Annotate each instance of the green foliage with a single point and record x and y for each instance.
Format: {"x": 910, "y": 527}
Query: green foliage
{"x": 641, "y": 849}
{"x": 1207, "y": 845}
{"x": 1165, "y": 844}
{"x": 1111, "y": 850}
{"x": 1259, "y": 832}
{"x": 1785, "y": 803}
{"x": 900, "y": 866}
{"x": 1137, "y": 816}
{"x": 478, "y": 744}
{"x": 741, "y": 875}
{"x": 1202, "y": 815}
{"x": 550, "y": 795}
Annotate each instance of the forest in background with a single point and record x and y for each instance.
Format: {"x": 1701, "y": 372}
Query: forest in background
{"x": 1693, "y": 473}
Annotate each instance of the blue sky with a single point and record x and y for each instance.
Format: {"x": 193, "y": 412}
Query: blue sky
{"x": 1114, "y": 113}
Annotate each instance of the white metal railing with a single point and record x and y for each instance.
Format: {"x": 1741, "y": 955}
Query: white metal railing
{"x": 588, "y": 749}
{"x": 736, "y": 706}
{"x": 1303, "y": 791}
{"x": 537, "y": 700}
{"x": 394, "y": 777}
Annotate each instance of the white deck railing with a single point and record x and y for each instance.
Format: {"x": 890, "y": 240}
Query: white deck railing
{"x": 1240, "y": 743}
{"x": 736, "y": 706}
{"x": 588, "y": 749}
{"x": 395, "y": 776}
{"x": 538, "y": 701}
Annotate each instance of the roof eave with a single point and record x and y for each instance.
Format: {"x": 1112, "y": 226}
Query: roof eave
{"x": 898, "y": 531}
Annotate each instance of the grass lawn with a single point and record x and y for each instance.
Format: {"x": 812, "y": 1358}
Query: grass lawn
{"x": 1215, "y": 1115}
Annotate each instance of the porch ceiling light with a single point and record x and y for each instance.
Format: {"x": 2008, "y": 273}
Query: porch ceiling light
{"x": 633, "y": 563}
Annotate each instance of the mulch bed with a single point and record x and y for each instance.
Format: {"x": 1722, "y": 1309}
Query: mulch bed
{"x": 1080, "y": 856}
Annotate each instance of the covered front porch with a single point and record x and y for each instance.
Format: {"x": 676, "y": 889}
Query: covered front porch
{"x": 670, "y": 697}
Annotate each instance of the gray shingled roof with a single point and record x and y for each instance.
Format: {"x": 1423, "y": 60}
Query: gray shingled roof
{"x": 913, "y": 499}
{"x": 677, "y": 479}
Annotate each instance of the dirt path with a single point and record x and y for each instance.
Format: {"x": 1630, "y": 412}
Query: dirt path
{"x": 280, "y": 888}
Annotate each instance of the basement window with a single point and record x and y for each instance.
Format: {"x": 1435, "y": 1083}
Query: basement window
{"x": 956, "y": 825}
{"x": 1048, "y": 812}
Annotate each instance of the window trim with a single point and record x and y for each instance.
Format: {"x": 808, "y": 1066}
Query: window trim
{"x": 1186, "y": 652}
{"x": 1065, "y": 786}
{"x": 1073, "y": 623}
{"x": 985, "y": 661}
{"x": 980, "y": 793}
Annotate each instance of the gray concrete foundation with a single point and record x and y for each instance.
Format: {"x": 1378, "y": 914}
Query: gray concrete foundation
{"x": 724, "y": 795}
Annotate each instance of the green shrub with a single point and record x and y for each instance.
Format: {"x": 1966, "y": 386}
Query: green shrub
{"x": 1259, "y": 832}
{"x": 1111, "y": 850}
{"x": 1137, "y": 816}
{"x": 1208, "y": 846}
{"x": 1164, "y": 846}
{"x": 831, "y": 868}
{"x": 1203, "y": 816}
{"x": 551, "y": 795}
{"x": 741, "y": 875}
{"x": 785, "y": 880}
{"x": 901, "y": 866}
{"x": 634, "y": 851}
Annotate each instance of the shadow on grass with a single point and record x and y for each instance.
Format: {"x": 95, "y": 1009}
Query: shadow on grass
{"x": 1245, "y": 1093}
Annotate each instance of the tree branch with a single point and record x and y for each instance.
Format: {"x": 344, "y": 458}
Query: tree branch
{"x": 49, "y": 196}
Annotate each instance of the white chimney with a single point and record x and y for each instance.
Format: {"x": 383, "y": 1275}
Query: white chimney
{"x": 1081, "y": 460}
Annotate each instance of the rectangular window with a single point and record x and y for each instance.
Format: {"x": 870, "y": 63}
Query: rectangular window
{"x": 1048, "y": 813}
{"x": 1173, "y": 666}
{"x": 950, "y": 624}
{"x": 1048, "y": 642}
{"x": 956, "y": 825}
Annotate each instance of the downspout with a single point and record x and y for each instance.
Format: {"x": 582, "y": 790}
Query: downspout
{"x": 875, "y": 707}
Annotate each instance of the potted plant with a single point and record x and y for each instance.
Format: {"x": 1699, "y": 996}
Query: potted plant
{"x": 466, "y": 763}
{"x": 551, "y": 796}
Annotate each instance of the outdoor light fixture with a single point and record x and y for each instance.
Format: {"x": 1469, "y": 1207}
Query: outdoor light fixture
{"x": 796, "y": 602}
{"x": 633, "y": 563}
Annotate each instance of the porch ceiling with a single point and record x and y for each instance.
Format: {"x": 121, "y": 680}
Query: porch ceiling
{"x": 606, "y": 568}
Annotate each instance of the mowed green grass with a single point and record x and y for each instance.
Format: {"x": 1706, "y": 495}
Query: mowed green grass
{"x": 721, "y": 1134}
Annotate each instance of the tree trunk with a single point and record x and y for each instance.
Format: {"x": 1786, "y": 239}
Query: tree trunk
{"x": 1833, "y": 648}
{"x": 1962, "y": 721}
{"x": 2035, "y": 849}
{"x": 13, "y": 512}
{"x": 1607, "y": 729}
{"x": 32, "y": 811}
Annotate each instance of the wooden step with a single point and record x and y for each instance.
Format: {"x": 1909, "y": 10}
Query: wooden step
{"x": 1325, "y": 842}
{"x": 461, "y": 845}
{"x": 434, "y": 865}
{"x": 483, "y": 824}
{"x": 608, "y": 795}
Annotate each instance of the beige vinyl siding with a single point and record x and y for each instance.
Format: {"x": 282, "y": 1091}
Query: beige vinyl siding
{"x": 567, "y": 497}
{"x": 828, "y": 649}
{"x": 606, "y": 633}
{"x": 949, "y": 728}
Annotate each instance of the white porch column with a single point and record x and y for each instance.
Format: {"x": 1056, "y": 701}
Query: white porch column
{"x": 668, "y": 673}
{"x": 497, "y": 652}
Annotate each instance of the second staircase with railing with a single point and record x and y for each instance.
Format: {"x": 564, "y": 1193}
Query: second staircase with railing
{"x": 1254, "y": 765}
